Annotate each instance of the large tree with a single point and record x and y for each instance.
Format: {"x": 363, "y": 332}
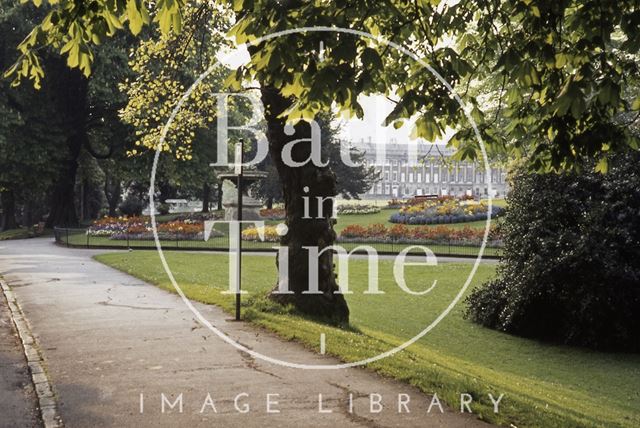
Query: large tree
{"x": 563, "y": 67}
{"x": 31, "y": 138}
{"x": 164, "y": 65}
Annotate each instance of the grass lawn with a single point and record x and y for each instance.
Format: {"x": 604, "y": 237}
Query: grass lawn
{"x": 544, "y": 385}
{"x": 20, "y": 233}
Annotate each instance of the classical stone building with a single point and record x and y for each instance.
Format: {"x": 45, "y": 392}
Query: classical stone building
{"x": 408, "y": 170}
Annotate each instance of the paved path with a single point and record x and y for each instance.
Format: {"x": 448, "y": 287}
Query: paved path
{"x": 18, "y": 402}
{"x": 107, "y": 338}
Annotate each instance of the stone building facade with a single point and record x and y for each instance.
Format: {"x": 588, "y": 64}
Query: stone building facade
{"x": 407, "y": 170}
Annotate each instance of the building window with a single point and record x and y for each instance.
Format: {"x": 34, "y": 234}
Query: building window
{"x": 386, "y": 176}
{"x": 411, "y": 177}
{"x": 395, "y": 176}
{"x": 435, "y": 178}
{"x": 387, "y": 189}
{"x": 402, "y": 177}
{"x": 419, "y": 177}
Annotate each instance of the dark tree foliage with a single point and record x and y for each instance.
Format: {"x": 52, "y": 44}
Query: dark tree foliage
{"x": 132, "y": 206}
{"x": 31, "y": 138}
{"x": 571, "y": 270}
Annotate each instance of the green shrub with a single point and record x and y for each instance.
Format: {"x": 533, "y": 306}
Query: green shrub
{"x": 163, "y": 209}
{"x": 571, "y": 266}
{"x": 132, "y": 206}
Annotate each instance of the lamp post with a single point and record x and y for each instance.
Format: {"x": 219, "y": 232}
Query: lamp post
{"x": 240, "y": 209}
{"x": 238, "y": 172}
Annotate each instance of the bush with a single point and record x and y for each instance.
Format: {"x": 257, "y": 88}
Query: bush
{"x": 571, "y": 266}
{"x": 163, "y": 209}
{"x": 132, "y": 206}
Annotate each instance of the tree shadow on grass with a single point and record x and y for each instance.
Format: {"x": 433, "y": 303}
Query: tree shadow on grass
{"x": 262, "y": 304}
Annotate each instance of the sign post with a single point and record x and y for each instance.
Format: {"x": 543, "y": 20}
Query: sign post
{"x": 238, "y": 172}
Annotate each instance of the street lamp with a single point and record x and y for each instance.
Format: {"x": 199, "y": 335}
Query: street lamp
{"x": 238, "y": 171}
{"x": 246, "y": 208}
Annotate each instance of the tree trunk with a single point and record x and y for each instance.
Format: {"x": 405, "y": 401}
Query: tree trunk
{"x": 71, "y": 100}
{"x": 63, "y": 208}
{"x": 206, "y": 193}
{"x": 220, "y": 195}
{"x": 27, "y": 213}
{"x": 83, "y": 201}
{"x": 8, "y": 210}
{"x": 316, "y": 231}
{"x": 112, "y": 190}
{"x": 269, "y": 203}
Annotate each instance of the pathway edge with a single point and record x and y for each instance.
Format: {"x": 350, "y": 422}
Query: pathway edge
{"x": 47, "y": 402}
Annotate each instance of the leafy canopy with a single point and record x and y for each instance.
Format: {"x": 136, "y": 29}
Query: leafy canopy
{"x": 164, "y": 65}
{"x": 566, "y": 67}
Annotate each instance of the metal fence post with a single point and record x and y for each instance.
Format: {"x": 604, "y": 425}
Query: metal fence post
{"x": 67, "y": 229}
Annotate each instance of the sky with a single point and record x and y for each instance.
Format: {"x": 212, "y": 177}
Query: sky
{"x": 376, "y": 108}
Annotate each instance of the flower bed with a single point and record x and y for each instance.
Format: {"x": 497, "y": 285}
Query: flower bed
{"x": 139, "y": 228}
{"x": 395, "y": 203}
{"x": 418, "y": 235}
{"x": 399, "y": 233}
{"x": 350, "y": 209}
{"x": 443, "y": 210}
{"x": 251, "y": 234}
{"x": 273, "y": 214}
{"x": 199, "y": 217}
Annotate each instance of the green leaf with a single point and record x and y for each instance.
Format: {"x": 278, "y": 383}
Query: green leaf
{"x": 294, "y": 88}
{"x": 135, "y": 17}
{"x": 371, "y": 59}
{"x": 426, "y": 128}
{"x": 561, "y": 60}
{"x": 636, "y": 104}
{"x": 578, "y": 106}
{"x": 535, "y": 11}
{"x": 113, "y": 22}
{"x": 237, "y": 5}
{"x": 602, "y": 166}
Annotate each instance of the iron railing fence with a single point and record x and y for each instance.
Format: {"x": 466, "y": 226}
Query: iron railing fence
{"x": 79, "y": 238}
